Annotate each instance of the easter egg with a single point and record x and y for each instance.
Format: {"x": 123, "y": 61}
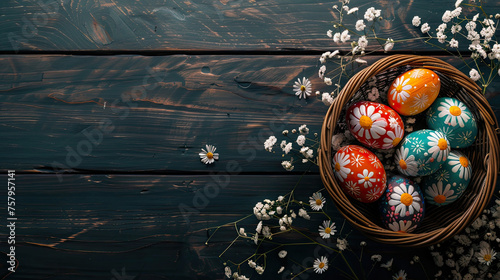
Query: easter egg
{"x": 454, "y": 119}
{"x": 414, "y": 91}
{"x": 422, "y": 152}
{"x": 450, "y": 181}
{"x": 360, "y": 173}
{"x": 375, "y": 125}
{"x": 401, "y": 205}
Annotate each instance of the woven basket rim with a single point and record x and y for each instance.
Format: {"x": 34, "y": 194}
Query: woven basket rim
{"x": 344, "y": 205}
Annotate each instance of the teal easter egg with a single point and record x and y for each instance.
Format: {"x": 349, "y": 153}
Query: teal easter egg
{"x": 451, "y": 117}
{"x": 450, "y": 181}
{"x": 402, "y": 205}
{"x": 422, "y": 152}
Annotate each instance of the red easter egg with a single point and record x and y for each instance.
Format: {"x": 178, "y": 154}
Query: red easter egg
{"x": 414, "y": 91}
{"x": 360, "y": 173}
{"x": 375, "y": 125}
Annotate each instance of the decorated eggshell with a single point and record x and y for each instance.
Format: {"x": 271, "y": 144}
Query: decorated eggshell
{"x": 414, "y": 91}
{"x": 402, "y": 205}
{"x": 375, "y": 125}
{"x": 454, "y": 119}
{"x": 450, "y": 181}
{"x": 360, "y": 173}
{"x": 422, "y": 152}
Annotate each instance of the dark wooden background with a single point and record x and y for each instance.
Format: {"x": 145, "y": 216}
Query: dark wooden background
{"x": 105, "y": 104}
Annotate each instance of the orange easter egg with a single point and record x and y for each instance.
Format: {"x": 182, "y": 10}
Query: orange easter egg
{"x": 414, "y": 91}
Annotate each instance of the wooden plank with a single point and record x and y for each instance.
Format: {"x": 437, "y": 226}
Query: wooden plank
{"x": 200, "y": 25}
{"x": 159, "y": 112}
{"x": 94, "y": 226}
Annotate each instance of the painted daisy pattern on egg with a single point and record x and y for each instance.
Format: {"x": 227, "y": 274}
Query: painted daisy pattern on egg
{"x": 366, "y": 179}
{"x": 460, "y": 164}
{"x": 393, "y": 138}
{"x": 454, "y": 110}
{"x": 340, "y": 161}
{"x": 406, "y": 199}
{"x": 402, "y": 226}
{"x": 367, "y": 123}
{"x": 435, "y": 194}
{"x": 439, "y": 146}
{"x": 406, "y": 163}
{"x": 400, "y": 90}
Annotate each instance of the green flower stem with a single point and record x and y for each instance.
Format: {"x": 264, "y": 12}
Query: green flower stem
{"x": 306, "y": 269}
{"x": 220, "y": 256}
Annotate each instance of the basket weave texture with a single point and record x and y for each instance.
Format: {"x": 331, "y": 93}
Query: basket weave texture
{"x": 439, "y": 224}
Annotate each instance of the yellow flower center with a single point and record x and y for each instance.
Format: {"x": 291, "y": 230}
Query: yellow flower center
{"x": 401, "y": 231}
{"x": 302, "y": 88}
{"x": 442, "y": 144}
{"x": 487, "y": 257}
{"x": 455, "y": 111}
{"x": 321, "y": 265}
{"x": 337, "y": 167}
{"x": 463, "y": 161}
{"x": 440, "y": 198}
{"x": 402, "y": 164}
{"x": 395, "y": 142}
{"x": 365, "y": 122}
{"x": 406, "y": 199}
{"x": 367, "y": 178}
{"x": 319, "y": 201}
{"x": 328, "y": 230}
{"x": 400, "y": 278}
{"x": 210, "y": 155}
{"x": 399, "y": 88}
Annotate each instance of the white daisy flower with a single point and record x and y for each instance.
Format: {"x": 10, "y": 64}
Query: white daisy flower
{"x": 399, "y": 91}
{"x": 340, "y": 161}
{"x": 366, "y": 178}
{"x": 401, "y": 275}
{"x": 440, "y": 196}
{"x": 439, "y": 146}
{"x": 352, "y": 188}
{"x": 402, "y": 226}
{"x": 460, "y": 162}
{"x": 327, "y": 229}
{"x": 486, "y": 255}
{"x": 394, "y": 138}
{"x": 320, "y": 265}
{"x": 367, "y": 122}
{"x": 454, "y": 111}
{"x": 405, "y": 199}
{"x": 406, "y": 164}
{"x": 302, "y": 89}
{"x": 208, "y": 156}
{"x": 376, "y": 258}
{"x": 317, "y": 201}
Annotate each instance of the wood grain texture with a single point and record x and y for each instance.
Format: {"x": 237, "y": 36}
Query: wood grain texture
{"x": 153, "y": 114}
{"x": 94, "y": 226}
{"x": 200, "y": 24}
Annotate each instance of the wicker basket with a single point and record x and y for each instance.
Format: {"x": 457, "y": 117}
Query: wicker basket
{"x": 441, "y": 223}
